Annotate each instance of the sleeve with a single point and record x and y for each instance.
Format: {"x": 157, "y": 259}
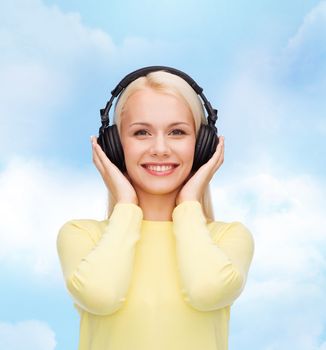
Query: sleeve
{"x": 212, "y": 272}
{"x": 98, "y": 274}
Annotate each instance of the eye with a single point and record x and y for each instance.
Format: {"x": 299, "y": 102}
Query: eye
{"x": 141, "y": 132}
{"x": 178, "y": 132}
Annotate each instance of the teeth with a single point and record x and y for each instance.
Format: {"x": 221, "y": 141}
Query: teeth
{"x": 159, "y": 167}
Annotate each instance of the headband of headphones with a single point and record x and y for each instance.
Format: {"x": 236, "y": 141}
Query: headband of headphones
{"x": 211, "y": 112}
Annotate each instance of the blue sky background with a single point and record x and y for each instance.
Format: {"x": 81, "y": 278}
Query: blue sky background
{"x": 261, "y": 63}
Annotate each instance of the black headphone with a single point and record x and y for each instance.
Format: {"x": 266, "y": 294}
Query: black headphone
{"x": 109, "y": 139}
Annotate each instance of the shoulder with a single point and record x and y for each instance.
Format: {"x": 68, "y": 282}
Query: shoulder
{"x": 235, "y": 229}
{"x": 88, "y": 228}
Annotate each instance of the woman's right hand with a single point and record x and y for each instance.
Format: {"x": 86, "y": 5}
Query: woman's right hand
{"x": 115, "y": 181}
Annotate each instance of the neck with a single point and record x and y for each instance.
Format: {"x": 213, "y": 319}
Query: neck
{"x": 157, "y": 207}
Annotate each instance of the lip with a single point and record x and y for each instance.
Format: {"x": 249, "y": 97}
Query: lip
{"x": 160, "y": 173}
{"x": 156, "y": 163}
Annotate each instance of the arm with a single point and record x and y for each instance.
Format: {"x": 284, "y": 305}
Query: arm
{"x": 97, "y": 274}
{"x": 213, "y": 272}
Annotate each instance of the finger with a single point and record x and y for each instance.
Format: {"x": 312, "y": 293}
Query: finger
{"x": 109, "y": 168}
{"x": 220, "y": 158}
{"x": 218, "y": 154}
{"x": 102, "y": 157}
{"x": 97, "y": 161}
{"x": 220, "y": 143}
{"x": 217, "y": 158}
{"x": 96, "y": 158}
{"x": 220, "y": 147}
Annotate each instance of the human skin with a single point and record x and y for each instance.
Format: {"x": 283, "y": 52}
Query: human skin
{"x": 151, "y": 137}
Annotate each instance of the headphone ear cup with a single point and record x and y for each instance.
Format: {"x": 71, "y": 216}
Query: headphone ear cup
{"x": 111, "y": 145}
{"x": 205, "y": 147}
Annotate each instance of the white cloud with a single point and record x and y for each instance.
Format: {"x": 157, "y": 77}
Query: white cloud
{"x": 36, "y": 199}
{"x": 273, "y": 107}
{"x": 27, "y": 335}
{"x": 48, "y": 58}
{"x": 312, "y": 25}
{"x": 286, "y": 215}
{"x": 285, "y": 291}
{"x": 43, "y": 51}
{"x": 323, "y": 346}
{"x": 273, "y": 113}
{"x": 306, "y": 50}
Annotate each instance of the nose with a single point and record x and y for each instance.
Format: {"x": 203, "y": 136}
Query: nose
{"x": 160, "y": 146}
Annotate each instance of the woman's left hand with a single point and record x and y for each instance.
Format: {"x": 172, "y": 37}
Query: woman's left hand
{"x": 194, "y": 188}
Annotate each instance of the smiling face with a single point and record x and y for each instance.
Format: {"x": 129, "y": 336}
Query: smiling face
{"x": 158, "y": 138}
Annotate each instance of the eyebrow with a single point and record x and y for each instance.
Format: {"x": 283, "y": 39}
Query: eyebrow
{"x": 148, "y": 124}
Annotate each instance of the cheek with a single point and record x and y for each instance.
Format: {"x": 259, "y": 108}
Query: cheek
{"x": 126, "y": 144}
{"x": 188, "y": 150}
{"x": 188, "y": 157}
{"x": 132, "y": 152}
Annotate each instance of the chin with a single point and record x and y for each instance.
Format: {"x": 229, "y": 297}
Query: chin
{"x": 159, "y": 191}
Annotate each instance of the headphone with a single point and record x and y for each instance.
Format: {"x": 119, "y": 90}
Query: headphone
{"x": 109, "y": 140}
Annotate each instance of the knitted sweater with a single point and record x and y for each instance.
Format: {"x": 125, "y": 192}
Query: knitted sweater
{"x": 154, "y": 285}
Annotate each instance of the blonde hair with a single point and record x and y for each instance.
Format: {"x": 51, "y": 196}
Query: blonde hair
{"x": 172, "y": 84}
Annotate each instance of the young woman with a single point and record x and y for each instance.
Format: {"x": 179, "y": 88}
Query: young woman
{"x": 159, "y": 273}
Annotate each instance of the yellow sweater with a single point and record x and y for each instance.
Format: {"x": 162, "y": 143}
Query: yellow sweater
{"x": 154, "y": 285}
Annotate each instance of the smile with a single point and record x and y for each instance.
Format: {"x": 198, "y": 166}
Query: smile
{"x": 160, "y": 170}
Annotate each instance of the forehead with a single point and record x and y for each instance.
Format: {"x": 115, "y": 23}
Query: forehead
{"x": 158, "y": 108}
